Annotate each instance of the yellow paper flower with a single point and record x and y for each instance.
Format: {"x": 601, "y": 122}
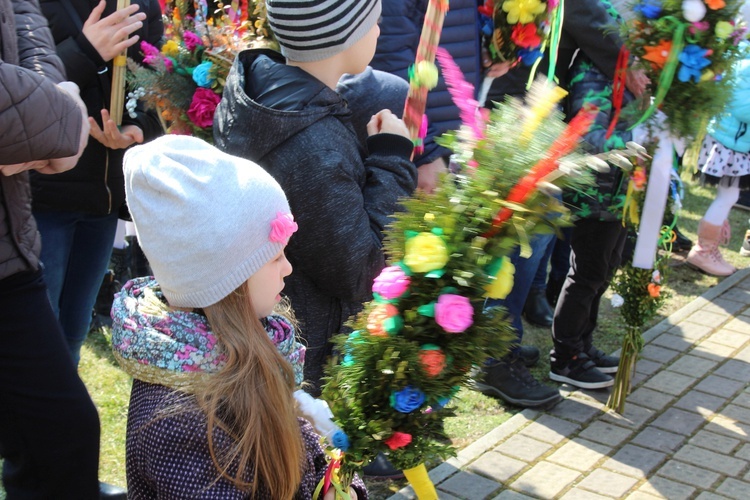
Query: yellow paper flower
{"x": 503, "y": 282}
{"x": 523, "y": 11}
{"x": 723, "y": 29}
{"x": 425, "y": 252}
{"x": 170, "y": 49}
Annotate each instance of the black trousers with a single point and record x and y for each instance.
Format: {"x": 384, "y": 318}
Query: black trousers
{"x": 49, "y": 427}
{"x": 596, "y": 253}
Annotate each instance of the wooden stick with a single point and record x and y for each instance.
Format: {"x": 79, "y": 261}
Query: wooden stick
{"x": 117, "y": 98}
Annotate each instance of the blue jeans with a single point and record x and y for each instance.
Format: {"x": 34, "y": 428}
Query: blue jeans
{"x": 522, "y": 279}
{"x": 76, "y": 248}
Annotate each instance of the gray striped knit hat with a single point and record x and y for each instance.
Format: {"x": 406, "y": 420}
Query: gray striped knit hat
{"x": 312, "y": 30}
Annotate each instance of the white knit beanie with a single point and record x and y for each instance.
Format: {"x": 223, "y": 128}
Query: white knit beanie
{"x": 312, "y": 30}
{"x": 206, "y": 220}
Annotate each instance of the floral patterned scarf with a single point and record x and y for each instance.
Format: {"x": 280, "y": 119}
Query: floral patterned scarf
{"x": 160, "y": 345}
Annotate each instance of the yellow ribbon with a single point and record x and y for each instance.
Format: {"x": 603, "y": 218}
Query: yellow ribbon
{"x": 120, "y": 60}
{"x": 421, "y": 483}
{"x": 630, "y": 208}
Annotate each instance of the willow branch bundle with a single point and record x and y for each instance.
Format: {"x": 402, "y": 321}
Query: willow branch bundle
{"x": 117, "y": 97}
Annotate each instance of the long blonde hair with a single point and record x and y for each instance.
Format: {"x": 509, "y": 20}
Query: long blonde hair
{"x": 251, "y": 399}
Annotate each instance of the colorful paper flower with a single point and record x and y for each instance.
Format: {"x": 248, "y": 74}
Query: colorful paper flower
{"x": 377, "y": 320}
{"x": 398, "y": 440}
{"x": 391, "y": 283}
{"x": 650, "y": 9}
{"x": 523, "y": 11}
{"x": 639, "y": 178}
{"x": 202, "y": 74}
{"x": 500, "y": 287}
{"x": 340, "y": 440}
{"x": 658, "y": 54}
{"x": 716, "y": 4}
{"x": 654, "y": 290}
{"x": 693, "y": 10}
{"x": 282, "y": 228}
{"x": 529, "y": 56}
{"x": 170, "y": 48}
{"x": 203, "y": 106}
{"x": 407, "y": 399}
{"x": 454, "y": 313}
{"x": 425, "y": 252}
{"x": 151, "y": 55}
{"x": 432, "y": 359}
{"x": 191, "y": 40}
{"x": 525, "y": 36}
{"x": 617, "y": 300}
{"x": 656, "y": 277}
{"x": 693, "y": 59}
{"x": 723, "y": 29}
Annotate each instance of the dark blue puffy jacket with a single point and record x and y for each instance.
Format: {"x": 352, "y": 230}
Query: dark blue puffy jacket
{"x": 400, "y": 28}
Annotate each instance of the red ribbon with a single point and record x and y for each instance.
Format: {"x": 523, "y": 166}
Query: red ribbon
{"x": 618, "y": 88}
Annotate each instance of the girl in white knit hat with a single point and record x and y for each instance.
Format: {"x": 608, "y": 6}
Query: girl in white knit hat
{"x": 212, "y": 350}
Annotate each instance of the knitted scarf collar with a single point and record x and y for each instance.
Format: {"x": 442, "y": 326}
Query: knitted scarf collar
{"x": 160, "y": 345}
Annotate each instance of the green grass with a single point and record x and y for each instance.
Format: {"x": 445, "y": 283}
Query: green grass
{"x": 476, "y": 414}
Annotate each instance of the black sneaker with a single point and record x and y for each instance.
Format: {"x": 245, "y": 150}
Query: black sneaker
{"x": 529, "y": 355}
{"x": 681, "y": 243}
{"x": 381, "y": 468}
{"x": 579, "y": 372}
{"x": 604, "y": 363}
{"x": 511, "y": 381}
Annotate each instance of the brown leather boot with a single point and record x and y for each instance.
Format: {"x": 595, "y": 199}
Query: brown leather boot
{"x": 705, "y": 255}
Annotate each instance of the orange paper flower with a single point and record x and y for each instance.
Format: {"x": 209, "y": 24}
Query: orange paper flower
{"x": 716, "y": 4}
{"x": 433, "y": 361}
{"x": 658, "y": 55}
{"x": 378, "y": 316}
{"x": 654, "y": 290}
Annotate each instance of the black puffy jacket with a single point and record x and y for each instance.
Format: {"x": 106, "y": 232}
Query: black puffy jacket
{"x": 96, "y": 185}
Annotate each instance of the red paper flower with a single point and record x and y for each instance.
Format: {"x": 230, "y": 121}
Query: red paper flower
{"x": 525, "y": 36}
{"x": 433, "y": 361}
{"x": 398, "y": 440}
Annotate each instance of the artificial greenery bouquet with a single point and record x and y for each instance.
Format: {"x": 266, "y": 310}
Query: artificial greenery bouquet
{"x": 414, "y": 344}
{"x": 183, "y": 80}
{"x": 687, "y": 48}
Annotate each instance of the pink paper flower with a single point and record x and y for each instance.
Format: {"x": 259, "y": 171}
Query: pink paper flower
{"x": 203, "y": 107}
{"x": 391, "y": 283}
{"x": 282, "y": 228}
{"x": 150, "y": 53}
{"x": 454, "y": 313}
{"x": 191, "y": 40}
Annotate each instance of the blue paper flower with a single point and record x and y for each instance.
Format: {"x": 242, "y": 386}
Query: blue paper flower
{"x": 529, "y": 56}
{"x": 340, "y": 440}
{"x": 693, "y": 59}
{"x": 649, "y": 9}
{"x": 201, "y": 74}
{"x": 407, "y": 399}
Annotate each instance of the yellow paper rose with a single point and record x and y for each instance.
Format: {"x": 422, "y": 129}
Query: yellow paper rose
{"x": 523, "y": 11}
{"x": 170, "y": 48}
{"x": 723, "y": 29}
{"x": 501, "y": 286}
{"x": 425, "y": 252}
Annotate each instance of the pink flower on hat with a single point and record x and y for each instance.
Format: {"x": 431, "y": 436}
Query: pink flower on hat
{"x": 282, "y": 228}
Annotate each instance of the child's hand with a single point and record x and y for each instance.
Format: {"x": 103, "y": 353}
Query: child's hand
{"x": 111, "y": 35}
{"x": 386, "y": 122}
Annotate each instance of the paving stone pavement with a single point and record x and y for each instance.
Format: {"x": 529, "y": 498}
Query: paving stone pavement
{"x": 685, "y": 432}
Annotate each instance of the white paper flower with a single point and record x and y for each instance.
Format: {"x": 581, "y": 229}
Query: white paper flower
{"x": 617, "y": 300}
{"x": 656, "y": 277}
{"x": 693, "y": 10}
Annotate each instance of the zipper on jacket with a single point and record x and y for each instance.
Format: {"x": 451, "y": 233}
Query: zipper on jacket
{"x": 106, "y": 180}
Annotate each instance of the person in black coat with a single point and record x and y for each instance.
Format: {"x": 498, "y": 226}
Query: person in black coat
{"x": 77, "y": 211}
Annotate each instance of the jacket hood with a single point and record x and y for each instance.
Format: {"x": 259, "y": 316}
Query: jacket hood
{"x": 269, "y": 102}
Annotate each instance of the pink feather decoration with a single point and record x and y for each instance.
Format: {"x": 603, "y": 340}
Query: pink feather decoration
{"x": 462, "y": 93}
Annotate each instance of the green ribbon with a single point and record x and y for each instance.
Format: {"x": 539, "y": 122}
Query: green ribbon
{"x": 669, "y": 70}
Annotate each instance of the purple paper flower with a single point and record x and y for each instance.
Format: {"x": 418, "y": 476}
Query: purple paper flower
{"x": 191, "y": 40}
